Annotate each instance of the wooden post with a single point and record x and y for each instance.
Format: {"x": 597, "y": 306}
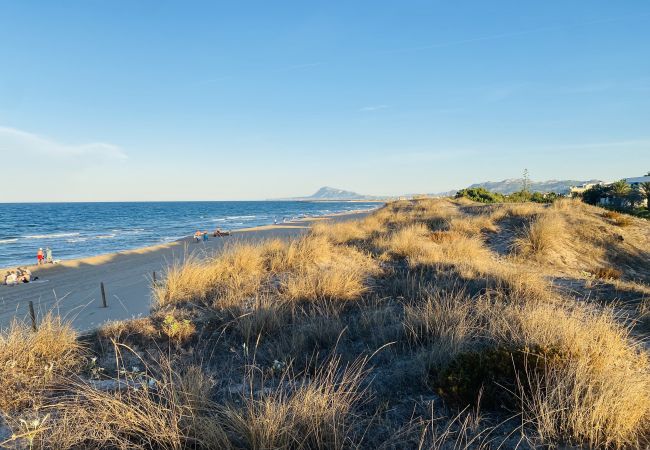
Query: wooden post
{"x": 32, "y": 314}
{"x": 101, "y": 285}
{"x": 154, "y": 277}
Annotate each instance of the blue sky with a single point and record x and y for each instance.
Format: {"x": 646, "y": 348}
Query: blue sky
{"x": 164, "y": 100}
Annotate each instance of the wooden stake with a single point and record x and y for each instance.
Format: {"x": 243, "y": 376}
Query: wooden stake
{"x": 101, "y": 285}
{"x": 32, "y": 314}
{"x": 154, "y": 277}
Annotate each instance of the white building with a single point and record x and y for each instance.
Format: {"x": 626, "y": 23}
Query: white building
{"x": 634, "y": 182}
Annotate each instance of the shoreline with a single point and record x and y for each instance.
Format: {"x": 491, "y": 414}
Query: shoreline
{"x": 71, "y": 289}
{"x": 102, "y": 257}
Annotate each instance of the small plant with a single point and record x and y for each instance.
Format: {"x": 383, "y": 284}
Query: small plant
{"x": 607, "y": 273}
{"x": 621, "y": 220}
{"x": 30, "y": 429}
{"x": 278, "y": 367}
{"x": 178, "y": 330}
{"x": 96, "y": 371}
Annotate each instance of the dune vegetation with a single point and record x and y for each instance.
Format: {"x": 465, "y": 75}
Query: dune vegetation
{"x": 428, "y": 324}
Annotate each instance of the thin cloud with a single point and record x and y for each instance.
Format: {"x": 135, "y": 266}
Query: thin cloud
{"x": 373, "y": 108}
{"x": 19, "y": 142}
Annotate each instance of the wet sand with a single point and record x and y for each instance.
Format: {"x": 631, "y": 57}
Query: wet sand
{"x": 72, "y": 288}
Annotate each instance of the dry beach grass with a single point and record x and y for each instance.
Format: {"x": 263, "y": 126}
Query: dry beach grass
{"x": 428, "y": 324}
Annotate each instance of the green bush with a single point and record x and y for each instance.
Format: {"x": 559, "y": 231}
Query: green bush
{"x": 481, "y": 195}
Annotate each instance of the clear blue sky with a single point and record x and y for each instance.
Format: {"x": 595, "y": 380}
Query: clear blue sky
{"x": 173, "y": 100}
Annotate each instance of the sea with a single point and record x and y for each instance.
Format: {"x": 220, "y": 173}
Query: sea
{"x": 78, "y": 230}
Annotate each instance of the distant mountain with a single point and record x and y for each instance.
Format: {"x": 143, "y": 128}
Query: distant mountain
{"x": 504, "y": 187}
{"x": 330, "y": 193}
{"x": 515, "y": 184}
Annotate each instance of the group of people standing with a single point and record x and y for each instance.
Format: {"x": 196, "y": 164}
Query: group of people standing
{"x": 44, "y": 257}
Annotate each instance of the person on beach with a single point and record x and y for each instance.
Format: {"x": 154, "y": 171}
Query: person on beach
{"x": 39, "y": 256}
{"x": 219, "y": 233}
{"x": 205, "y": 236}
{"x": 197, "y": 236}
{"x": 24, "y": 275}
{"x": 48, "y": 256}
{"x": 11, "y": 279}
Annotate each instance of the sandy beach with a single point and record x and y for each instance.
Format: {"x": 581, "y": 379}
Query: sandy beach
{"x": 72, "y": 288}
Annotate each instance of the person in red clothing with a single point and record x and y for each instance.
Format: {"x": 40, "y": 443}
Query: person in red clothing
{"x": 39, "y": 256}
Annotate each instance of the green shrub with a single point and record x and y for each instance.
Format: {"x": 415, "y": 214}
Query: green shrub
{"x": 481, "y": 195}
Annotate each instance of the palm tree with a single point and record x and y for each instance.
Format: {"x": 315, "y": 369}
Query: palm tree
{"x": 619, "y": 190}
{"x": 645, "y": 190}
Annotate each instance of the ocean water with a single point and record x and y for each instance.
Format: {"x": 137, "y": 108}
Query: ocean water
{"x": 76, "y": 230}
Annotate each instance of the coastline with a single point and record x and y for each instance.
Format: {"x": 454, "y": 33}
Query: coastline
{"x": 72, "y": 288}
{"x": 104, "y": 257}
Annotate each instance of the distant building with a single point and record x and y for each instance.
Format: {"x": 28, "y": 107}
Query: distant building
{"x": 581, "y": 188}
{"x": 636, "y": 181}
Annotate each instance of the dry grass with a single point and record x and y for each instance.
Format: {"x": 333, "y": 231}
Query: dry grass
{"x": 599, "y": 390}
{"x": 237, "y": 273}
{"x": 543, "y": 235}
{"x": 595, "y": 387}
{"x": 607, "y": 273}
{"x": 315, "y": 414}
{"x": 473, "y": 225}
{"x": 618, "y": 219}
{"x": 266, "y": 317}
{"x": 167, "y": 410}
{"x": 410, "y": 243}
{"x": 311, "y": 268}
{"x": 443, "y": 322}
{"x": 432, "y": 283}
{"x": 29, "y": 362}
{"x": 350, "y": 231}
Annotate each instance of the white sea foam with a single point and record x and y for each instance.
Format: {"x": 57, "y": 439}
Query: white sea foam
{"x": 128, "y": 231}
{"x": 72, "y": 241}
{"x": 50, "y": 236}
{"x": 7, "y": 241}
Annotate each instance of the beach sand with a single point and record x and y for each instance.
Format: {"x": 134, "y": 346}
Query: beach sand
{"x": 72, "y": 288}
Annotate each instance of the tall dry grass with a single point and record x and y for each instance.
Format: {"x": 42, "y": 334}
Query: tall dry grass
{"x": 441, "y": 321}
{"x": 31, "y": 361}
{"x": 236, "y": 273}
{"x": 595, "y": 388}
{"x": 310, "y": 268}
{"x": 304, "y": 414}
{"x": 590, "y": 383}
{"x": 543, "y": 235}
{"x": 166, "y": 409}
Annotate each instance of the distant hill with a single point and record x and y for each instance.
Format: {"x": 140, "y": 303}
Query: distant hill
{"x": 330, "y": 193}
{"x": 515, "y": 184}
{"x": 503, "y": 187}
